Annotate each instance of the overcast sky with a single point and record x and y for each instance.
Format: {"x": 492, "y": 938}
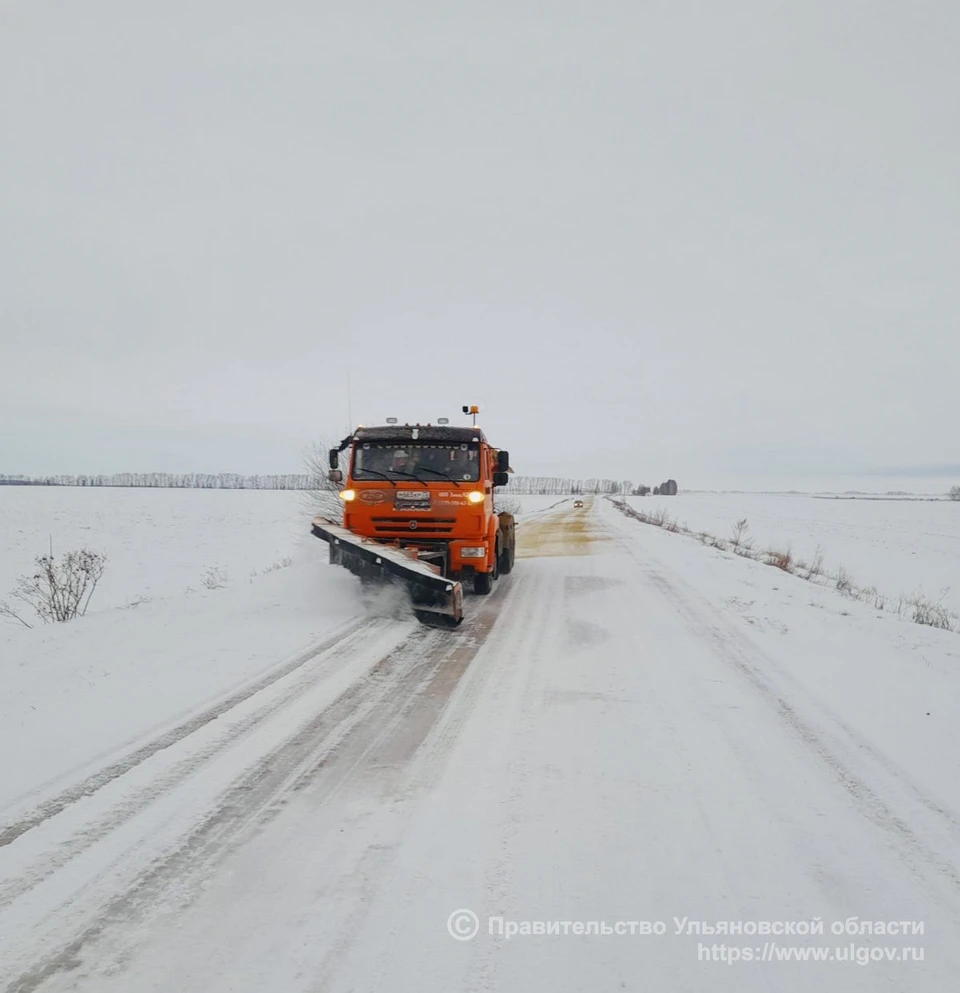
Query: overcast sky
{"x": 648, "y": 237}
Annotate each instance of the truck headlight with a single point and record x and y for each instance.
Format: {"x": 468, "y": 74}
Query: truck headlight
{"x": 348, "y": 495}
{"x": 471, "y": 552}
{"x": 475, "y": 496}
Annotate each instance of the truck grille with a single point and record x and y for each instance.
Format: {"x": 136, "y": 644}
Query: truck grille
{"x": 424, "y": 525}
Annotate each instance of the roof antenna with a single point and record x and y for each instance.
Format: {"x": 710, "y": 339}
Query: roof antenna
{"x": 349, "y": 406}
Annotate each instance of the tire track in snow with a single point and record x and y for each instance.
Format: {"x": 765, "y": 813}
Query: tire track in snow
{"x": 91, "y": 784}
{"x": 77, "y": 838}
{"x": 502, "y": 636}
{"x": 129, "y": 885}
{"x": 377, "y": 723}
{"x": 510, "y": 665}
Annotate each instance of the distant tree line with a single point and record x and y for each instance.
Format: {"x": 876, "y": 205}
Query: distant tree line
{"x": 559, "y": 486}
{"x": 170, "y": 480}
{"x": 519, "y": 485}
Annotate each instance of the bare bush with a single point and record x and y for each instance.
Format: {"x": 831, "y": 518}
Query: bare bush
{"x": 815, "y": 569}
{"x": 214, "y": 578}
{"x": 844, "y": 581}
{"x": 6, "y": 610}
{"x": 739, "y": 533}
{"x": 780, "y": 558}
{"x": 322, "y": 497}
{"x": 58, "y": 591}
{"x": 507, "y": 505}
{"x": 930, "y": 612}
{"x": 869, "y": 594}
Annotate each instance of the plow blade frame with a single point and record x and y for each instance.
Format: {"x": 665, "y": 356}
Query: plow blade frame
{"x": 435, "y": 598}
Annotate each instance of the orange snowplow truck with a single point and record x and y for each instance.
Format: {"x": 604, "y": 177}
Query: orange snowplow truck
{"x": 418, "y": 506}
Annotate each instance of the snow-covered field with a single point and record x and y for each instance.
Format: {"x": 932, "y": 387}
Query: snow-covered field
{"x": 161, "y": 543}
{"x": 158, "y": 542}
{"x": 897, "y": 546}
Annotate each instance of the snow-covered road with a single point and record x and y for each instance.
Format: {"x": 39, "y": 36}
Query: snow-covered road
{"x": 606, "y": 739}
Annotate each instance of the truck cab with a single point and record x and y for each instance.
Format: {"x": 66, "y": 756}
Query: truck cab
{"x": 429, "y": 489}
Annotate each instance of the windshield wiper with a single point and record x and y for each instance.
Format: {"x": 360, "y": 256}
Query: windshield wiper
{"x": 427, "y": 468}
{"x": 379, "y": 473}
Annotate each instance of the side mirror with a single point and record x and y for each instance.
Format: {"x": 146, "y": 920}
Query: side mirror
{"x": 335, "y": 476}
{"x": 501, "y": 478}
{"x": 334, "y": 458}
{"x": 503, "y": 461}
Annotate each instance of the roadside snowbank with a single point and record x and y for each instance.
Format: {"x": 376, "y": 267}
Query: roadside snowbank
{"x": 897, "y": 546}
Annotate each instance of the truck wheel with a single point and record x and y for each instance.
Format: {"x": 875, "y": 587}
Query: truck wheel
{"x": 482, "y": 582}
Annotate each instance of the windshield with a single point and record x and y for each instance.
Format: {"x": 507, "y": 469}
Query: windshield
{"x": 426, "y": 462}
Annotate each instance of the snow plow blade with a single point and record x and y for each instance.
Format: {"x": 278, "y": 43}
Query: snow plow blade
{"x": 436, "y": 599}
